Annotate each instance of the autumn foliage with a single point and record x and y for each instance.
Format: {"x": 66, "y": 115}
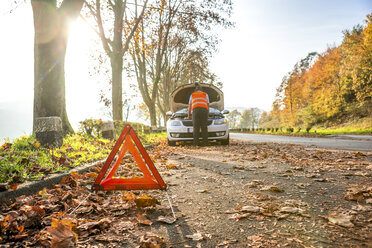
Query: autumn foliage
{"x": 332, "y": 87}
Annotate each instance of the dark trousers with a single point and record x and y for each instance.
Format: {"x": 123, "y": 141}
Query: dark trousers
{"x": 200, "y": 121}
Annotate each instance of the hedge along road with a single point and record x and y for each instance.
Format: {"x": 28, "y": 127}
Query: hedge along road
{"x": 338, "y": 142}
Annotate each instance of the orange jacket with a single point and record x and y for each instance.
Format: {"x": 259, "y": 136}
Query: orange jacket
{"x": 199, "y": 99}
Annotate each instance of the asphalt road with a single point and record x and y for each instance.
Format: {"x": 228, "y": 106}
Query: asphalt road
{"x": 341, "y": 142}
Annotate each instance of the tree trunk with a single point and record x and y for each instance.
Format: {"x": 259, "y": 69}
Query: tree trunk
{"x": 165, "y": 120}
{"x": 50, "y": 42}
{"x": 117, "y": 63}
{"x": 117, "y": 89}
{"x": 152, "y": 110}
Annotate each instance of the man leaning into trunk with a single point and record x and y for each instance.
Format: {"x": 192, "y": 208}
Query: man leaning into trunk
{"x": 199, "y": 106}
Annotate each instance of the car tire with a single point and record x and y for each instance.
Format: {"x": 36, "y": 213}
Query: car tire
{"x": 226, "y": 141}
{"x": 171, "y": 143}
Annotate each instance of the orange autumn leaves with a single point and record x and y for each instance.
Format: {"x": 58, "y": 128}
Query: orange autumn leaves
{"x": 61, "y": 216}
{"x": 66, "y": 213}
{"x": 62, "y": 234}
{"x": 333, "y": 86}
{"x": 142, "y": 201}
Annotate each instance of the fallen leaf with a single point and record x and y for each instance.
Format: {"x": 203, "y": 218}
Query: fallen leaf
{"x": 171, "y": 166}
{"x": 146, "y": 201}
{"x": 272, "y": 188}
{"x": 74, "y": 174}
{"x": 202, "y": 190}
{"x": 45, "y": 170}
{"x": 128, "y": 196}
{"x": 14, "y": 186}
{"x": 321, "y": 180}
{"x": 239, "y": 216}
{"x": 167, "y": 219}
{"x": 254, "y": 184}
{"x": 291, "y": 210}
{"x": 63, "y": 160}
{"x": 359, "y": 154}
{"x": 282, "y": 216}
{"x": 20, "y": 236}
{"x": 142, "y": 219}
{"x": 195, "y": 237}
{"x": 109, "y": 237}
{"x": 25, "y": 161}
{"x": 69, "y": 180}
{"x": 208, "y": 235}
{"x": 340, "y": 219}
{"x": 92, "y": 175}
{"x": 33, "y": 213}
{"x": 84, "y": 210}
{"x": 62, "y": 235}
{"x": 302, "y": 185}
{"x": 150, "y": 240}
{"x": 251, "y": 209}
{"x": 6, "y": 146}
{"x": 88, "y": 225}
{"x": 227, "y": 242}
{"x": 232, "y": 211}
{"x": 357, "y": 194}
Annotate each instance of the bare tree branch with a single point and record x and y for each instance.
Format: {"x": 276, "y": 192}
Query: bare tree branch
{"x": 104, "y": 40}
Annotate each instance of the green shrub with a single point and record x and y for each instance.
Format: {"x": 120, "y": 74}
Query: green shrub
{"x": 91, "y": 127}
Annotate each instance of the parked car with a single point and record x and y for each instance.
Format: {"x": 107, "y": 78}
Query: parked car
{"x": 180, "y": 128}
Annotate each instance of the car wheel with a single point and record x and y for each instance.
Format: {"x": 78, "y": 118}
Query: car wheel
{"x": 226, "y": 141}
{"x": 171, "y": 143}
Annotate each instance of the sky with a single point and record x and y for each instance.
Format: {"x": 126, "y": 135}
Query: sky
{"x": 269, "y": 37}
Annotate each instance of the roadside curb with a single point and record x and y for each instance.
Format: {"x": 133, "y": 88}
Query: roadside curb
{"x": 30, "y": 188}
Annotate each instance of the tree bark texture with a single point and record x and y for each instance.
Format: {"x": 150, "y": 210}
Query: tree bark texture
{"x": 117, "y": 63}
{"x": 117, "y": 89}
{"x": 50, "y": 42}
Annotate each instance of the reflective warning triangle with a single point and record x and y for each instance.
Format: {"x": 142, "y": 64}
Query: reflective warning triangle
{"x": 130, "y": 142}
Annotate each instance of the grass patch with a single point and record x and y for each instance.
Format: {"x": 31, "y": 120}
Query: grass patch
{"x": 153, "y": 138}
{"x": 318, "y": 132}
{"x": 360, "y": 126}
{"x": 344, "y": 130}
{"x": 25, "y": 159}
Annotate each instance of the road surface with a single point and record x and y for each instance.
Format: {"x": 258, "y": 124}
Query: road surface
{"x": 342, "y": 142}
{"x": 242, "y": 195}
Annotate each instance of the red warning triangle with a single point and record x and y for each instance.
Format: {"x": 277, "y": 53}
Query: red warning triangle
{"x": 151, "y": 178}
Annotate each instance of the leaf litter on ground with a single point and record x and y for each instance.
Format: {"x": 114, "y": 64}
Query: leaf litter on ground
{"x": 70, "y": 214}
